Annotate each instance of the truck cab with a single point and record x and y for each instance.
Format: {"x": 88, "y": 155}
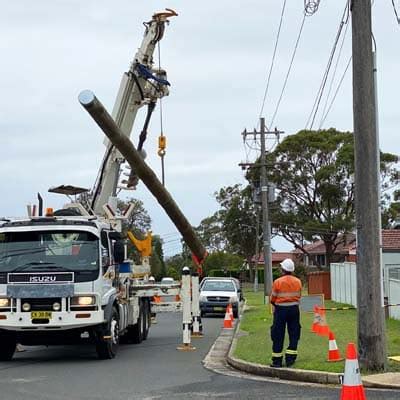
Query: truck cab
{"x": 58, "y": 283}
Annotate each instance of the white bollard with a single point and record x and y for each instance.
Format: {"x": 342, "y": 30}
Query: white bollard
{"x": 197, "y": 327}
{"x": 186, "y": 311}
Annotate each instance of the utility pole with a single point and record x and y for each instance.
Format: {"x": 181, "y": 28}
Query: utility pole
{"x": 371, "y": 322}
{"x": 264, "y": 206}
{"x": 257, "y": 251}
{"x": 266, "y": 225}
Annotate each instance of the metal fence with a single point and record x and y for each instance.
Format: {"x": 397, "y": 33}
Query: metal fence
{"x": 344, "y": 283}
{"x": 394, "y": 298}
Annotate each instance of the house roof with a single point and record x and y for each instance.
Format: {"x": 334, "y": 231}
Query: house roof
{"x": 345, "y": 242}
{"x": 276, "y": 257}
{"x": 390, "y": 242}
{"x": 391, "y": 239}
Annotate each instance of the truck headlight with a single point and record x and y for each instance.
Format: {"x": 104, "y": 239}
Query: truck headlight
{"x": 4, "y": 302}
{"x": 26, "y": 307}
{"x": 83, "y": 301}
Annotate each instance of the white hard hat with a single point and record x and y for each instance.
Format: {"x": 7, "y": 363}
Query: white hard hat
{"x": 287, "y": 265}
{"x": 185, "y": 269}
{"x": 151, "y": 278}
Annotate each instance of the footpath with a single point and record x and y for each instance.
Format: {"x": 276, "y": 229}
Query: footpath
{"x": 223, "y": 350}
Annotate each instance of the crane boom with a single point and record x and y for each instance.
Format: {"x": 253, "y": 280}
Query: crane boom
{"x": 139, "y": 86}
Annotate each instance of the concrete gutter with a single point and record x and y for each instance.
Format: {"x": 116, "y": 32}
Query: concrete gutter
{"x": 382, "y": 381}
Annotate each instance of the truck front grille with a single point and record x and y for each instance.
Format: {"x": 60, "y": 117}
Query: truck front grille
{"x": 41, "y": 304}
{"x": 218, "y": 299}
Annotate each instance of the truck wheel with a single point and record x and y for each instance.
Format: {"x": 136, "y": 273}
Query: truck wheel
{"x": 146, "y": 318}
{"x": 8, "y": 344}
{"x": 107, "y": 340}
{"x": 136, "y": 332}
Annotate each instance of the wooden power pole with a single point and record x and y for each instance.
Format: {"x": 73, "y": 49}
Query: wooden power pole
{"x": 371, "y": 322}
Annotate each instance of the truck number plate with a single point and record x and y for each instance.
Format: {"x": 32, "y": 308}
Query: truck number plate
{"x": 219, "y": 309}
{"x": 40, "y": 315}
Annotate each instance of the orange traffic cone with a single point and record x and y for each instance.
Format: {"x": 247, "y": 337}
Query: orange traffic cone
{"x": 157, "y": 299}
{"x": 317, "y": 320}
{"x": 333, "y": 352}
{"x": 227, "y": 320}
{"x": 322, "y": 328}
{"x": 352, "y": 388}
{"x": 230, "y": 310}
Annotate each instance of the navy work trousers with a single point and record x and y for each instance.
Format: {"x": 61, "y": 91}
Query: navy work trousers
{"x": 285, "y": 316}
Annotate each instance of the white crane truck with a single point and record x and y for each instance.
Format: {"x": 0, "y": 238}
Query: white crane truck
{"x": 64, "y": 276}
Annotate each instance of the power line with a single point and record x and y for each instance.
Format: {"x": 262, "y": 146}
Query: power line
{"x": 336, "y": 92}
{"x": 273, "y": 58}
{"x": 395, "y": 12}
{"x": 323, "y": 117}
{"x": 344, "y": 20}
{"x": 289, "y": 69}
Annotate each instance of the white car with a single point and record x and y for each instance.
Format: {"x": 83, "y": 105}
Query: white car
{"x": 167, "y": 281}
{"x": 216, "y": 294}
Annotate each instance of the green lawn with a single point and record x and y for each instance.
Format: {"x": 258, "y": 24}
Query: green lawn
{"x": 256, "y": 346}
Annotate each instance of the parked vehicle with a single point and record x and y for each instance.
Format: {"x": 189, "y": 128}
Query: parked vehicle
{"x": 234, "y": 280}
{"x": 167, "y": 281}
{"x": 216, "y": 294}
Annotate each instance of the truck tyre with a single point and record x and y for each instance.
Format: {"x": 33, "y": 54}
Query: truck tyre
{"x": 107, "y": 338}
{"x": 146, "y": 318}
{"x": 8, "y": 345}
{"x": 136, "y": 332}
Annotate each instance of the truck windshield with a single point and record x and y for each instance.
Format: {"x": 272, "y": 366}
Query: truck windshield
{"x": 45, "y": 250}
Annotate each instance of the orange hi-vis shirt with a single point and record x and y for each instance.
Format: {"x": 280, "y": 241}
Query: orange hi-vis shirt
{"x": 286, "y": 291}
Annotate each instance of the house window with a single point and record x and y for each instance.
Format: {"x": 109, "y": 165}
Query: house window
{"x": 321, "y": 260}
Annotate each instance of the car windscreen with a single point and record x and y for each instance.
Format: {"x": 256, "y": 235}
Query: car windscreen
{"x": 49, "y": 250}
{"x": 218, "y": 286}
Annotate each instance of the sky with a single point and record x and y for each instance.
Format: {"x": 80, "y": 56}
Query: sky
{"x": 217, "y": 55}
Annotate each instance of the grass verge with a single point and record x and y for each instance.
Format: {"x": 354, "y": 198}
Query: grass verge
{"x": 256, "y": 346}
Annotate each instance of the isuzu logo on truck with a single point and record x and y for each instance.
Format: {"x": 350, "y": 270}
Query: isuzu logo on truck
{"x": 43, "y": 279}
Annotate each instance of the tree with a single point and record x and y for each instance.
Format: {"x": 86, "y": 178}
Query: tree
{"x": 223, "y": 261}
{"x": 238, "y": 220}
{"x": 139, "y": 222}
{"x": 313, "y": 172}
{"x": 211, "y": 233}
{"x": 158, "y": 268}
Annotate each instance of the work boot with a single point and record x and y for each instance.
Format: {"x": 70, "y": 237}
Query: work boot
{"x": 276, "y": 362}
{"x": 289, "y": 361}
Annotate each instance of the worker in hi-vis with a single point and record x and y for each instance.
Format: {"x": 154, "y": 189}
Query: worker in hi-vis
{"x": 285, "y": 296}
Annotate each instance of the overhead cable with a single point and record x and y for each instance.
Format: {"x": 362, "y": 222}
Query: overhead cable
{"x": 273, "y": 58}
{"x": 324, "y": 114}
{"x": 336, "y": 92}
{"x": 395, "y": 12}
{"x": 344, "y": 20}
{"x": 289, "y": 69}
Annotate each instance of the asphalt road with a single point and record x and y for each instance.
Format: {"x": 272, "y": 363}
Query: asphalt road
{"x": 153, "y": 369}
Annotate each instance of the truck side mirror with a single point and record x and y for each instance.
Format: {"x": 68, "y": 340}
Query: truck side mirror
{"x": 119, "y": 252}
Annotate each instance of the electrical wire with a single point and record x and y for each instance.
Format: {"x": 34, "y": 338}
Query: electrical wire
{"x": 289, "y": 69}
{"x": 273, "y": 58}
{"x": 336, "y": 92}
{"x": 395, "y": 12}
{"x": 344, "y": 20}
{"x": 324, "y": 115}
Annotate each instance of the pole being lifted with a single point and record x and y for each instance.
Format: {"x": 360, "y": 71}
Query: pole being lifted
{"x": 104, "y": 120}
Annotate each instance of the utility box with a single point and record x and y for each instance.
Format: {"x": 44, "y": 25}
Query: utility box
{"x": 319, "y": 282}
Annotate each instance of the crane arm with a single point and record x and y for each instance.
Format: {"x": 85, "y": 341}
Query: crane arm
{"x": 140, "y": 85}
